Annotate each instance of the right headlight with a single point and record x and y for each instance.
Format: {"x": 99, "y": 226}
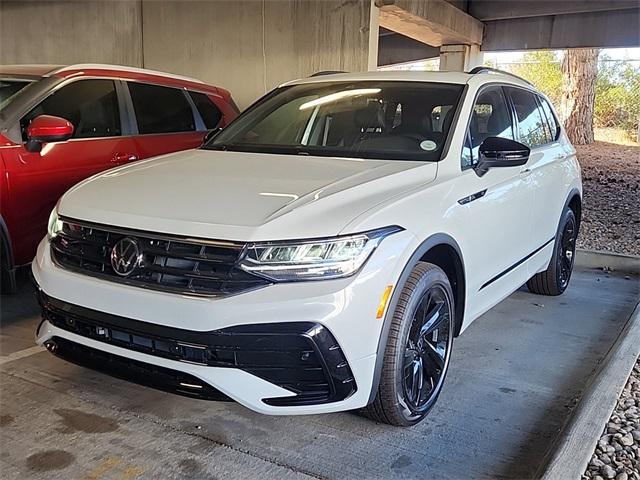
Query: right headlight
{"x": 316, "y": 259}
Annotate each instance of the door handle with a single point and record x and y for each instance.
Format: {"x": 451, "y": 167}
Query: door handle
{"x": 526, "y": 172}
{"x": 123, "y": 157}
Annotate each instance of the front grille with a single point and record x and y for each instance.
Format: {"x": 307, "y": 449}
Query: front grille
{"x": 302, "y": 357}
{"x": 165, "y": 263}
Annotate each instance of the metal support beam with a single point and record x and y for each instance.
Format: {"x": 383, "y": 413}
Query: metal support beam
{"x": 487, "y": 10}
{"x": 395, "y": 48}
{"x": 615, "y": 28}
{"x": 434, "y": 22}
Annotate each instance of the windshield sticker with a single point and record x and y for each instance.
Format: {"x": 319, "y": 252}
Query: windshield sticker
{"x": 428, "y": 145}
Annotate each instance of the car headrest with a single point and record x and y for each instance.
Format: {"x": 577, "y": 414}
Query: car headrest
{"x": 372, "y": 116}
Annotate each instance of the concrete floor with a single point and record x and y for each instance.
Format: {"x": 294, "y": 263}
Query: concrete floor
{"x": 515, "y": 376}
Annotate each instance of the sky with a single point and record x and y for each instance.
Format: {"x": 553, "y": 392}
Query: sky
{"x": 613, "y": 53}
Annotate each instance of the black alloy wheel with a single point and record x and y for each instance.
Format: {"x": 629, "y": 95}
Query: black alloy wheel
{"x": 418, "y": 349}
{"x": 427, "y": 350}
{"x": 555, "y": 279}
{"x": 567, "y": 251}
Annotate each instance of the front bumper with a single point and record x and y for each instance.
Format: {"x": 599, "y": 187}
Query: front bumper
{"x": 301, "y": 357}
{"x": 284, "y": 349}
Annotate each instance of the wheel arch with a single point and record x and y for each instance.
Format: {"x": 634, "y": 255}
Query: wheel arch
{"x": 442, "y": 250}
{"x": 5, "y": 244}
{"x": 574, "y": 202}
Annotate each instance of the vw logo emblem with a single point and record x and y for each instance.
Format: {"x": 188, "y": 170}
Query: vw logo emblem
{"x": 125, "y": 256}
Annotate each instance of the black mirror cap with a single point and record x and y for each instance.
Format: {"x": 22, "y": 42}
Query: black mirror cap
{"x": 501, "y": 152}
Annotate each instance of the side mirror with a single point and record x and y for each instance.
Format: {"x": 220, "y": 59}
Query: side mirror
{"x": 501, "y": 152}
{"x": 47, "y": 128}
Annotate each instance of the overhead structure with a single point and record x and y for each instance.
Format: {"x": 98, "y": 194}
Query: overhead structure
{"x": 462, "y": 29}
{"x": 436, "y": 23}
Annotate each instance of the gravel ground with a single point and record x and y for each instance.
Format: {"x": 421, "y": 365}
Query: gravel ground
{"x": 617, "y": 455}
{"x": 611, "y": 212}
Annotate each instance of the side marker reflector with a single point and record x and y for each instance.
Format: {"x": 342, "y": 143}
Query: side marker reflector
{"x": 382, "y": 306}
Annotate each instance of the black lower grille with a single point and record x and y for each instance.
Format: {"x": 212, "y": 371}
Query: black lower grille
{"x": 134, "y": 371}
{"x": 301, "y": 357}
{"x": 165, "y": 263}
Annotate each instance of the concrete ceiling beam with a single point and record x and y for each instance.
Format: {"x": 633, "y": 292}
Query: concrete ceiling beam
{"x": 434, "y": 22}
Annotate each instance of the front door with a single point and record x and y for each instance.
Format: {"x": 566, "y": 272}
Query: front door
{"x": 495, "y": 210}
{"x": 36, "y": 180}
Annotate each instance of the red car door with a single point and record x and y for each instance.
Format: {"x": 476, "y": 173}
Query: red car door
{"x": 165, "y": 120}
{"x": 35, "y": 180}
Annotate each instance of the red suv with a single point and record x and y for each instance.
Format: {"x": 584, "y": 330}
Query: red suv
{"x": 60, "y": 125}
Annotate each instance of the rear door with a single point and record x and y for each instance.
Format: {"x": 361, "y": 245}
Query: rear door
{"x": 36, "y": 180}
{"x": 165, "y": 119}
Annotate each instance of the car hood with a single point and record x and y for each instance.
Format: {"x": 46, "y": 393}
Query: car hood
{"x": 241, "y": 196}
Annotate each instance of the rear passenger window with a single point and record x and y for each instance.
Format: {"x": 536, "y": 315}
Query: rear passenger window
{"x": 210, "y": 114}
{"x": 90, "y": 105}
{"x": 533, "y": 127}
{"x": 161, "y": 109}
{"x": 490, "y": 118}
{"x": 551, "y": 119}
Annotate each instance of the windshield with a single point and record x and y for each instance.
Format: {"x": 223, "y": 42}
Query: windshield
{"x": 380, "y": 120}
{"x": 8, "y": 88}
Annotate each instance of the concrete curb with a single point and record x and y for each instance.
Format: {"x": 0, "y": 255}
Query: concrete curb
{"x": 572, "y": 451}
{"x": 613, "y": 261}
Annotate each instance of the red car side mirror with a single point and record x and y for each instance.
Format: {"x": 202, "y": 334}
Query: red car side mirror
{"x": 47, "y": 128}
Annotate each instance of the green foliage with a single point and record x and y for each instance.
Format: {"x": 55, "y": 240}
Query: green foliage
{"x": 542, "y": 68}
{"x": 618, "y": 95}
{"x": 617, "y": 103}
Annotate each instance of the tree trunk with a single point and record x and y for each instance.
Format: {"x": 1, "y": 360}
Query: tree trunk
{"x": 579, "y": 71}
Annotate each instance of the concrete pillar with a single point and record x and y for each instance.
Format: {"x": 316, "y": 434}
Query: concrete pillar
{"x": 374, "y": 29}
{"x": 460, "y": 58}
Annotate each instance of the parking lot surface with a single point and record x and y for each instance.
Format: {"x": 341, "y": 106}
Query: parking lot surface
{"x": 515, "y": 376}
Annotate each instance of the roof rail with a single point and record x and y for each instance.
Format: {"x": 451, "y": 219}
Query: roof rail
{"x": 327, "y": 72}
{"x": 481, "y": 69}
{"x": 122, "y": 68}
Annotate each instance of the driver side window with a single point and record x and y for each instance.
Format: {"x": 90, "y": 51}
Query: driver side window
{"x": 490, "y": 118}
{"x": 91, "y": 105}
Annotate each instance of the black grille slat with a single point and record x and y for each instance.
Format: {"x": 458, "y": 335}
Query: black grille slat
{"x": 170, "y": 265}
{"x": 134, "y": 371}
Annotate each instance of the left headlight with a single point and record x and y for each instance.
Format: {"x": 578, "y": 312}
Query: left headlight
{"x": 55, "y": 224}
{"x": 316, "y": 259}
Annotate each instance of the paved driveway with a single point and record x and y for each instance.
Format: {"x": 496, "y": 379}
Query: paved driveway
{"x": 515, "y": 376}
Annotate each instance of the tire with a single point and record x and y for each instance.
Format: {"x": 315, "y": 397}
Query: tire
{"x": 418, "y": 349}
{"x": 7, "y": 273}
{"x": 555, "y": 279}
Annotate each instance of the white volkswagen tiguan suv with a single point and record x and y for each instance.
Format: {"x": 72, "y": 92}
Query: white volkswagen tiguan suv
{"x": 321, "y": 252}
